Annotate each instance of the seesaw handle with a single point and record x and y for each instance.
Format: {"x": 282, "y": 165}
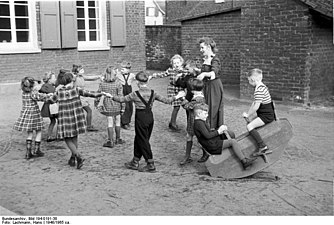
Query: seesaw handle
{"x": 227, "y": 134}
{"x": 247, "y": 120}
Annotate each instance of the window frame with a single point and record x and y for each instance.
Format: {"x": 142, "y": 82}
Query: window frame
{"x": 103, "y": 44}
{"x": 32, "y": 46}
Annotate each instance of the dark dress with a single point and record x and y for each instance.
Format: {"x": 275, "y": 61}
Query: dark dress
{"x": 213, "y": 93}
{"x": 45, "y": 111}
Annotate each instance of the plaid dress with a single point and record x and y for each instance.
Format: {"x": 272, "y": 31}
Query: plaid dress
{"x": 111, "y": 108}
{"x": 71, "y": 117}
{"x": 189, "y": 106}
{"x": 30, "y": 118}
{"x": 172, "y": 88}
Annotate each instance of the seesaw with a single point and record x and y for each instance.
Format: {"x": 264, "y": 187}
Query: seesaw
{"x": 275, "y": 134}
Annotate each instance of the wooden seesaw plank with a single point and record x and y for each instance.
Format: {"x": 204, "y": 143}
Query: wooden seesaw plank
{"x": 275, "y": 134}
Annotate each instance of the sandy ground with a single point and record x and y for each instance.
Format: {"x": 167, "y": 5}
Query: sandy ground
{"x": 300, "y": 183}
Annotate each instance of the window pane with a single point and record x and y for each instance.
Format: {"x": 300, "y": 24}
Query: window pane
{"x": 81, "y": 36}
{"x": 22, "y": 36}
{"x": 5, "y": 36}
{"x": 92, "y": 24}
{"x": 81, "y": 24}
{"x": 91, "y": 3}
{"x": 4, "y": 10}
{"x": 91, "y": 13}
{"x": 21, "y": 10}
{"x": 80, "y": 3}
{"x": 92, "y": 35}
{"x": 80, "y": 13}
{"x": 22, "y": 23}
{"x": 21, "y": 2}
{"x": 4, "y": 23}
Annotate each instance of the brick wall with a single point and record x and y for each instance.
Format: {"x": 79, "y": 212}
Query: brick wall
{"x": 275, "y": 38}
{"x": 15, "y": 66}
{"x": 162, "y": 42}
{"x": 224, "y": 28}
{"x": 320, "y": 66}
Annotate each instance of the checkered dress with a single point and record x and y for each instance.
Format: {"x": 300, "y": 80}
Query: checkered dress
{"x": 71, "y": 117}
{"x": 191, "y": 115}
{"x": 172, "y": 89}
{"x": 111, "y": 108}
{"x": 30, "y": 118}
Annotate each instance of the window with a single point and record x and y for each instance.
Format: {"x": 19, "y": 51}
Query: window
{"x": 150, "y": 11}
{"x": 91, "y": 23}
{"x": 18, "y": 27}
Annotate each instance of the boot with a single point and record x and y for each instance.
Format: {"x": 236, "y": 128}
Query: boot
{"x": 148, "y": 168}
{"x": 80, "y": 161}
{"x": 71, "y": 161}
{"x": 29, "y": 154}
{"x": 187, "y": 158}
{"x": 246, "y": 162}
{"x": 119, "y": 141}
{"x": 261, "y": 145}
{"x": 110, "y": 142}
{"x": 38, "y": 152}
{"x": 204, "y": 157}
{"x": 133, "y": 164}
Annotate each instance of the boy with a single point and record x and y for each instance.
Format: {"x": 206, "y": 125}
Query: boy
{"x": 212, "y": 140}
{"x": 143, "y": 100}
{"x": 126, "y": 78}
{"x": 261, "y": 111}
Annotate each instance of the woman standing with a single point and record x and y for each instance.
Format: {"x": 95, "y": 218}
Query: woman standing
{"x": 213, "y": 88}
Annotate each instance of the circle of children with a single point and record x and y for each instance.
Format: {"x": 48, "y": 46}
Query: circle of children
{"x": 198, "y": 90}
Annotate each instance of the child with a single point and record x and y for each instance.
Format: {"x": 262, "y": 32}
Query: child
{"x": 261, "y": 111}
{"x": 174, "y": 73}
{"x": 112, "y": 109}
{"x": 126, "y": 79}
{"x": 197, "y": 97}
{"x": 212, "y": 140}
{"x": 79, "y": 81}
{"x": 30, "y": 119}
{"x": 49, "y": 80}
{"x": 143, "y": 100}
{"x": 71, "y": 118}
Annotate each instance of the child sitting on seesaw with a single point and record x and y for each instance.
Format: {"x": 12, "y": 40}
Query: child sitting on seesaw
{"x": 261, "y": 111}
{"x": 212, "y": 140}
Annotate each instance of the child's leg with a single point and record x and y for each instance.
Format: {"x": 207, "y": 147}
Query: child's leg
{"x": 189, "y": 144}
{"x": 110, "y": 130}
{"x": 51, "y": 126}
{"x": 29, "y": 145}
{"x": 246, "y": 162}
{"x": 72, "y": 145}
{"x": 174, "y": 116}
{"x": 89, "y": 118}
{"x": 255, "y": 134}
{"x": 38, "y": 138}
{"x": 118, "y": 130}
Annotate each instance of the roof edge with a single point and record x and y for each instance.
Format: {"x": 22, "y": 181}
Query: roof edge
{"x": 208, "y": 14}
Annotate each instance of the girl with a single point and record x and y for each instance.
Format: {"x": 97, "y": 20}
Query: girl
{"x": 71, "y": 118}
{"x": 110, "y": 108}
{"x": 49, "y": 80}
{"x": 30, "y": 119}
{"x": 79, "y": 81}
{"x": 172, "y": 89}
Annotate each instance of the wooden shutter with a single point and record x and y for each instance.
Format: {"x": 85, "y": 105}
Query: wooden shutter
{"x": 69, "y": 33}
{"x": 117, "y": 22}
{"x": 50, "y": 24}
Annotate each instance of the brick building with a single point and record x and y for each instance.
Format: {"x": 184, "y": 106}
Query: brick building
{"x": 290, "y": 40}
{"x": 38, "y": 36}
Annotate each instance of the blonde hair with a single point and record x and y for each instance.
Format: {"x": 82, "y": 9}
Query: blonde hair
{"x": 110, "y": 74}
{"x": 198, "y": 108}
{"x": 255, "y": 74}
{"x": 177, "y": 56}
{"x": 47, "y": 76}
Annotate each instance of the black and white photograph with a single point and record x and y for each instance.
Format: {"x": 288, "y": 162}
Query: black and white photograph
{"x": 195, "y": 111}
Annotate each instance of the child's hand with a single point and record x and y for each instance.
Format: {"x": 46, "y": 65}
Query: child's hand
{"x": 244, "y": 114}
{"x": 107, "y": 94}
{"x": 180, "y": 94}
{"x": 122, "y": 111}
{"x": 200, "y": 77}
{"x": 222, "y": 128}
{"x": 59, "y": 87}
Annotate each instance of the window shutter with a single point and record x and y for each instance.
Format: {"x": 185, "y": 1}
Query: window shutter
{"x": 50, "y": 24}
{"x": 69, "y": 33}
{"x": 117, "y": 22}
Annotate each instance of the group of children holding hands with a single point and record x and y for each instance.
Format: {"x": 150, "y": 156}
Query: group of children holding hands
{"x": 115, "y": 98}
